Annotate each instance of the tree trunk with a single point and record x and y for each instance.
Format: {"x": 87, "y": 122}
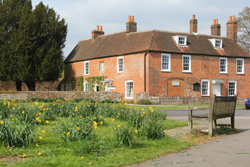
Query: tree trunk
{"x": 19, "y": 85}
{"x": 31, "y": 85}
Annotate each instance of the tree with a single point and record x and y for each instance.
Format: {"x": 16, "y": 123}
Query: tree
{"x": 244, "y": 27}
{"x": 31, "y": 43}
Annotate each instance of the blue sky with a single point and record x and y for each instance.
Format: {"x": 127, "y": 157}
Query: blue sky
{"x": 82, "y": 16}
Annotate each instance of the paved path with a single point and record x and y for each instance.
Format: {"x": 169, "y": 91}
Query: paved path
{"x": 231, "y": 150}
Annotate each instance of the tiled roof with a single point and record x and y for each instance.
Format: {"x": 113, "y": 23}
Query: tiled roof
{"x": 123, "y": 43}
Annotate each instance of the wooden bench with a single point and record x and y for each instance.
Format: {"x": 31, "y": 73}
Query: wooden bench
{"x": 220, "y": 107}
{"x": 13, "y": 96}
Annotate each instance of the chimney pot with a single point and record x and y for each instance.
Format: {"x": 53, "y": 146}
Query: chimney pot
{"x": 233, "y": 18}
{"x": 230, "y": 18}
{"x": 129, "y": 18}
{"x": 100, "y": 28}
{"x": 193, "y": 25}
{"x": 133, "y": 19}
{"x": 193, "y": 17}
{"x": 97, "y": 28}
{"x": 215, "y": 28}
{"x": 216, "y": 21}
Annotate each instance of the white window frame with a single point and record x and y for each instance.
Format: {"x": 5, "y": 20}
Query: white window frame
{"x": 189, "y": 63}
{"x": 177, "y": 40}
{"x": 96, "y": 85}
{"x": 86, "y": 85}
{"x": 223, "y": 72}
{"x": 168, "y": 64}
{"x": 118, "y": 69}
{"x": 102, "y": 66}
{"x": 208, "y": 89}
{"x": 126, "y": 93}
{"x": 242, "y": 68}
{"x": 86, "y": 68}
{"x": 214, "y": 43}
{"x": 235, "y": 88}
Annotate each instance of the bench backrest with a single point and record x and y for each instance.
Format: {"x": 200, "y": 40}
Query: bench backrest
{"x": 222, "y": 106}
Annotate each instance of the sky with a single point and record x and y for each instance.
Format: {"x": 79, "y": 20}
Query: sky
{"x": 82, "y": 16}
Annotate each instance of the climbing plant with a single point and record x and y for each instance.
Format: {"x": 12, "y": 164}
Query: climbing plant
{"x": 96, "y": 80}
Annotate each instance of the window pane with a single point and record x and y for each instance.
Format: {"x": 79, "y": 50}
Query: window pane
{"x": 231, "y": 88}
{"x": 129, "y": 93}
{"x": 165, "y": 62}
{"x": 87, "y": 68}
{"x": 181, "y": 41}
{"x": 186, "y": 62}
{"x": 217, "y": 44}
{"x": 240, "y": 66}
{"x": 223, "y": 64}
{"x": 120, "y": 64}
{"x": 204, "y": 88}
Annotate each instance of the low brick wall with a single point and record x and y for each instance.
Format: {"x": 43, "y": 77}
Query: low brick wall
{"x": 72, "y": 95}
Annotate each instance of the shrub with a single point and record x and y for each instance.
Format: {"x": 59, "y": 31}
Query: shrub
{"x": 18, "y": 136}
{"x": 152, "y": 129}
{"x": 5, "y": 109}
{"x": 144, "y": 101}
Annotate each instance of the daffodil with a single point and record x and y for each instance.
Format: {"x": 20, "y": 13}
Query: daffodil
{"x": 2, "y": 122}
{"x": 100, "y": 116}
{"x": 77, "y": 128}
{"x": 43, "y": 131}
{"x": 47, "y": 121}
{"x": 40, "y": 137}
{"x": 95, "y": 127}
{"x": 118, "y": 126}
{"x": 39, "y": 153}
{"x": 136, "y": 131}
{"x": 82, "y": 157}
{"x": 68, "y": 133}
{"x": 37, "y": 145}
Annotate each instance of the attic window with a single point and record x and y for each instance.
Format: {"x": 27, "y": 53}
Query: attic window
{"x": 181, "y": 40}
{"x": 217, "y": 43}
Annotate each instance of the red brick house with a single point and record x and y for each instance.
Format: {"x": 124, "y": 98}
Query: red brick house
{"x": 162, "y": 63}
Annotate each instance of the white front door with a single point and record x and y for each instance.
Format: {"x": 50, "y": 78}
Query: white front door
{"x": 216, "y": 89}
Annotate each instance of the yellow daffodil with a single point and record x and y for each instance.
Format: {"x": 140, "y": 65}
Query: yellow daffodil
{"x": 40, "y": 113}
{"x": 136, "y": 131}
{"x": 100, "y": 116}
{"x": 43, "y": 131}
{"x": 95, "y": 127}
{"x": 118, "y": 126}
{"x": 142, "y": 115}
{"x": 23, "y": 112}
{"x": 2, "y": 122}
{"x": 39, "y": 153}
{"x": 37, "y": 145}
{"x": 94, "y": 117}
{"x": 40, "y": 137}
{"x": 101, "y": 123}
{"x": 77, "y": 128}
{"x": 24, "y": 156}
{"x": 113, "y": 120}
{"x": 82, "y": 157}
{"x": 47, "y": 121}
{"x": 68, "y": 133}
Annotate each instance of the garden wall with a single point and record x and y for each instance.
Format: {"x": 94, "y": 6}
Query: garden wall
{"x": 180, "y": 100}
{"x": 72, "y": 95}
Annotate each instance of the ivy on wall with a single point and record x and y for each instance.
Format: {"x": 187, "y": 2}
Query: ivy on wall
{"x": 96, "y": 80}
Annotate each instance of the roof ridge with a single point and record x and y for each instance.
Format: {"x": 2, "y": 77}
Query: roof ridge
{"x": 151, "y": 40}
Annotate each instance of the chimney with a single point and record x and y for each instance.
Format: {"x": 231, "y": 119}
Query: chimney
{"x": 232, "y": 29}
{"x": 193, "y": 25}
{"x": 131, "y": 25}
{"x": 215, "y": 28}
{"x": 97, "y": 32}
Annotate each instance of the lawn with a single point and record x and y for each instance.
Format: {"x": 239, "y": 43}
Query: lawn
{"x": 82, "y": 134}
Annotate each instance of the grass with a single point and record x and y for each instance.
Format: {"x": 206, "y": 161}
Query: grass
{"x": 58, "y": 153}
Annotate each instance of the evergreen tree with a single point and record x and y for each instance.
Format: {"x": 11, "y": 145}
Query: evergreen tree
{"x": 31, "y": 43}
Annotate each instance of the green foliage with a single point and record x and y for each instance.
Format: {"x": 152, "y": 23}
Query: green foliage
{"x": 124, "y": 135}
{"x": 75, "y": 130}
{"x": 81, "y": 83}
{"x": 144, "y": 101}
{"x": 244, "y": 27}
{"x": 31, "y": 43}
{"x": 18, "y": 136}
{"x": 95, "y": 80}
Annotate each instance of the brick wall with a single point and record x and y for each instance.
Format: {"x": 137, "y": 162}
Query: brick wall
{"x": 202, "y": 68}
{"x": 133, "y": 70}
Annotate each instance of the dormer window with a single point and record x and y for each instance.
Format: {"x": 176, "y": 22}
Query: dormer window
{"x": 181, "y": 40}
{"x": 217, "y": 43}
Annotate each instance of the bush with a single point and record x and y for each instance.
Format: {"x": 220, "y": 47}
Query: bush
{"x": 152, "y": 129}
{"x": 144, "y": 101}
